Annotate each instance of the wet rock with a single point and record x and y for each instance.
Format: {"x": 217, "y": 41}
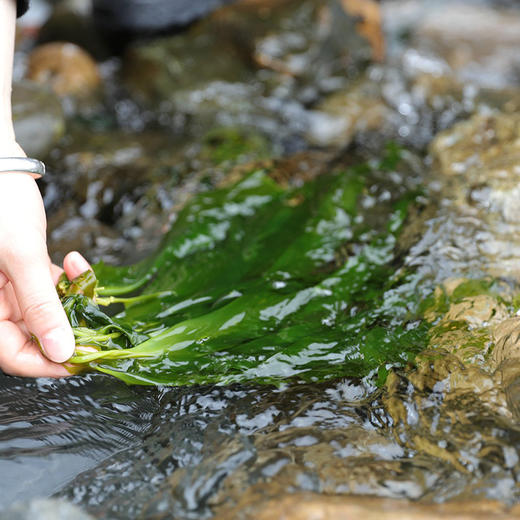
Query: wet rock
{"x": 410, "y": 106}
{"x": 507, "y": 341}
{"x": 38, "y": 118}
{"x": 336, "y": 120}
{"x": 471, "y": 363}
{"x": 287, "y": 444}
{"x": 192, "y": 61}
{"x": 71, "y": 232}
{"x": 44, "y": 509}
{"x": 472, "y": 360}
{"x": 255, "y": 64}
{"x": 506, "y": 356}
{"x": 231, "y": 145}
{"x": 430, "y": 93}
{"x": 463, "y": 331}
{"x": 324, "y": 38}
{"x": 439, "y": 91}
{"x": 483, "y": 148}
{"x": 424, "y": 100}
{"x": 109, "y": 192}
{"x": 316, "y": 507}
{"x": 478, "y": 42}
{"x": 300, "y": 168}
{"x": 369, "y": 25}
{"x": 476, "y": 227}
{"x": 481, "y": 158}
{"x": 101, "y": 167}
{"x": 331, "y": 461}
{"x": 476, "y": 310}
{"x": 65, "y": 67}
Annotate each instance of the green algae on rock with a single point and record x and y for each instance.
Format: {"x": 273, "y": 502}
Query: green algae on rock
{"x": 259, "y": 282}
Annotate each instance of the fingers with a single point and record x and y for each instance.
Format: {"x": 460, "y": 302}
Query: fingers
{"x": 74, "y": 265}
{"x": 40, "y": 307}
{"x": 19, "y": 356}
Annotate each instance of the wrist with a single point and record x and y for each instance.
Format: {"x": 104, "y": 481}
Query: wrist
{"x": 7, "y": 136}
{"x": 6, "y": 130}
{"x": 9, "y": 147}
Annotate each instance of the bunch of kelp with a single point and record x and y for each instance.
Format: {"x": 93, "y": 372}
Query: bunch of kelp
{"x": 257, "y": 282}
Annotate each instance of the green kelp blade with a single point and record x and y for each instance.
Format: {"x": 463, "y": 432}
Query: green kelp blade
{"x": 270, "y": 336}
{"x": 263, "y": 246}
{"x": 200, "y": 226}
{"x": 301, "y": 353}
{"x": 316, "y": 338}
{"x": 254, "y": 240}
{"x": 260, "y": 283}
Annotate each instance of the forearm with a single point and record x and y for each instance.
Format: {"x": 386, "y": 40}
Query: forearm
{"x": 7, "y": 32}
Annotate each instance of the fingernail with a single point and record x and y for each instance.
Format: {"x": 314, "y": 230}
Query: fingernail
{"x": 78, "y": 262}
{"x": 58, "y": 344}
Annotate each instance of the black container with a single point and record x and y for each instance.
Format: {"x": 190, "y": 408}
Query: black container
{"x": 142, "y": 17}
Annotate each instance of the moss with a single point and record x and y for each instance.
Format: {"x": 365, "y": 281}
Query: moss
{"x": 229, "y": 144}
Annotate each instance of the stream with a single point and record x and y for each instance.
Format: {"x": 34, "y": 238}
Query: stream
{"x": 299, "y": 88}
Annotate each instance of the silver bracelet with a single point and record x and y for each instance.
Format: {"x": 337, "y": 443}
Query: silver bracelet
{"x": 32, "y": 167}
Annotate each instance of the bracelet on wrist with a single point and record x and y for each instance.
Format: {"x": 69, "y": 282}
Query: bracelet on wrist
{"x": 26, "y": 165}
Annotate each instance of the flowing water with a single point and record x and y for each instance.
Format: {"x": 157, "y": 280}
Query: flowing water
{"x": 306, "y": 100}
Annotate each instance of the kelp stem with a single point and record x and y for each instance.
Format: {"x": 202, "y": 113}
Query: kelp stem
{"x": 108, "y": 300}
{"x": 116, "y": 290}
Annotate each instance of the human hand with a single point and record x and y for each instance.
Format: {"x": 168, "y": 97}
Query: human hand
{"x": 29, "y": 303}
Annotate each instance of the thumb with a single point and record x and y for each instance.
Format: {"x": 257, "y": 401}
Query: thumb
{"x": 40, "y": 306}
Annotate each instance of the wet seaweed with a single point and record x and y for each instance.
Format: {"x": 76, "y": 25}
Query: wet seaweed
{"x": 258, "y": 283}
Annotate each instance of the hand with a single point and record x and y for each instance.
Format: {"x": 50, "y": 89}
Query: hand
{"x": 29, "y": 303}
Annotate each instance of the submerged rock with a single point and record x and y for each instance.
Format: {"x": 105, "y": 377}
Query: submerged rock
{"x": 255, "y": 64}
{"x": 318, "y": 507}
{"x": 469, "y": 228}
{"x": 114, "y": 194}
{"x": 478, "y": 42}
{"x": 479, "y": 159}
{"x": 336, "y": 120}
{"x": 110, "y": 193}
{"x": 44, "y": 509}
{"x": 459, "y": 403}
